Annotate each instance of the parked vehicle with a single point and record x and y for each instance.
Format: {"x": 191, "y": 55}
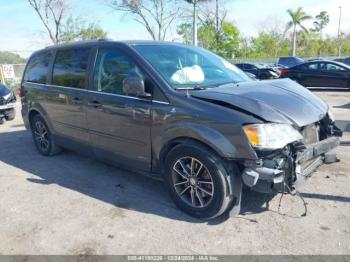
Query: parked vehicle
{"x": 345, "y": 60}
{"x": 259, "y": 71}
{"x": 289, "y": 61}
{"x": 320, "y": 74}
{"x": 252, "y": 76}
{"x": 179, "y": 113}
{"x": 7, "y": 104}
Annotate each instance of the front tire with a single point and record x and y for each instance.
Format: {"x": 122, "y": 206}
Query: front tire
{"x": 11, "y": 115}
{"x": 197, "y": 181}
{"x": 42, "y": 137}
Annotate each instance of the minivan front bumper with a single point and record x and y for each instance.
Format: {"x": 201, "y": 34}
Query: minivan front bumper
{"x": 293, "y": 168}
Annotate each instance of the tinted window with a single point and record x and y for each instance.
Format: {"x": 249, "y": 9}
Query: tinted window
{"x": 331, "y": 67}
{"x": 70, "y": 68}
{"x": 112, "y": 67}
{"x": 37, "y": 68}
{"x": 249, "y": 67}
{"x": 313, "y": 66}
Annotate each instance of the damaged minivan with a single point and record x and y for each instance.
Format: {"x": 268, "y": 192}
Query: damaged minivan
{"x": 177, "y": 113}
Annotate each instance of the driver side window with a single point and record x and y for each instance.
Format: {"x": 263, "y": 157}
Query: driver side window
{"x": 112, "y": 67}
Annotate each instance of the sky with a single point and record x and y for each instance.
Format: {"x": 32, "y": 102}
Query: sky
{"x": 21, "y": 29}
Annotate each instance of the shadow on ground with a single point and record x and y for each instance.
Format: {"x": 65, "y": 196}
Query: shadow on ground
{"x": 106, "y": 183}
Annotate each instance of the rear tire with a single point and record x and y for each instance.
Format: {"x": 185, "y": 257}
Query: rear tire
{"x": 199, "y": 185}
{"x": 42, "y": 137}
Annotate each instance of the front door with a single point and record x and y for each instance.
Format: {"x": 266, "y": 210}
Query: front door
{"x": 119, "y": 125}
{"x": 333, "y": 75}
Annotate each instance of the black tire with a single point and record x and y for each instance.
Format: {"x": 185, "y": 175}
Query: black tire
{"x": 45, "y": 143}
{"x": 213, "y": 169}
{"x": 11, "y": 115}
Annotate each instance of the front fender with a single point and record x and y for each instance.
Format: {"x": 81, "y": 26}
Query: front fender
{"x": 235, "y": 146}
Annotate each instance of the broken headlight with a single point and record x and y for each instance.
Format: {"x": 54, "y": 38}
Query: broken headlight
{"x": 271, "y": 136}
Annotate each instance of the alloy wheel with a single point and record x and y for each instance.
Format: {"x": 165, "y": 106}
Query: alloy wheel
{"x": 193, "y": 182}
{"x": 41, "y": 136}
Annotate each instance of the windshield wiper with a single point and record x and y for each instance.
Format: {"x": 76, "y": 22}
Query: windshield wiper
{"x": 187, "y": 88}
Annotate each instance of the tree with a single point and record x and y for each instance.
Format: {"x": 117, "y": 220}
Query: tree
{"x": 228, "y": 42}
{"x": 194, "y": 19}
{"x": 79, "y": 29}
{"x": 51, "y": 14}
{"x": 322, "y": 20}
{"x": 11, "y": 58}
{"x": 298, "y": 17}
{"x": 155, "y": 15}
{"x": 185, "y": 31}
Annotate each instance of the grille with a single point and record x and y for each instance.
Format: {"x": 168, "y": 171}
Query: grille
{"x": 310, "y": 134}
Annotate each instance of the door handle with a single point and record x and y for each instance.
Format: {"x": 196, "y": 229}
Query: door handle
{"x": 95, "y": 104}
{"x": 77, "y": 101}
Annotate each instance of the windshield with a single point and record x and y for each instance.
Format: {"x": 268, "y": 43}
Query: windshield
{"x": 186, "y": 66}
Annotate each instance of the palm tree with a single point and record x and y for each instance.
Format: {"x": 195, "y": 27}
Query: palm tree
{"x": 298, "y": 17}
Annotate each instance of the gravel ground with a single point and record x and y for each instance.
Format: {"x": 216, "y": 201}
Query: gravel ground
{"x": 69, "y": 204}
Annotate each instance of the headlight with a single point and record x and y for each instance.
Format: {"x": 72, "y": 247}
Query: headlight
{"x": 271, "y": 136}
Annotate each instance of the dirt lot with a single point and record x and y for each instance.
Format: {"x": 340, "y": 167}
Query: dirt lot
{"x": 68, "y": 204}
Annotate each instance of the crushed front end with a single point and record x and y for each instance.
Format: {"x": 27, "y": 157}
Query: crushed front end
{"x": 7, "y": 106}
{"x": 289, "y": 167}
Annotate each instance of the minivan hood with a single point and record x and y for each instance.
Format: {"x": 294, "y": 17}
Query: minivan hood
{"x": 279, "y": 101}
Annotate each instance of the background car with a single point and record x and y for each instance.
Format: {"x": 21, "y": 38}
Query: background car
{"x": 7, "y": 104}
{"x": 259, "y": 71}
{"x": 289, "y": 61}
{"x": 319, "y": 74}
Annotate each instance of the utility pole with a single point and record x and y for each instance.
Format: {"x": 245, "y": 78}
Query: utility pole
{"x": 339, "y": 33}
{"x": 195, "y": 16}
{"x": 217, "y": 21}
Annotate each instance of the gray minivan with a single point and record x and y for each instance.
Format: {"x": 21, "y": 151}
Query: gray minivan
{"x": 179, "y": 113}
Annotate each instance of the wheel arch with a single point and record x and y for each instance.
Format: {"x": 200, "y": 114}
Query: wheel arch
{"x": 204, "y": 136}
{"x": 36, "y": 111}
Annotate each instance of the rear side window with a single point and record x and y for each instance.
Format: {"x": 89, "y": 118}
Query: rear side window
{"x": 70, "y": 68}
{"x": 38, "y": 65}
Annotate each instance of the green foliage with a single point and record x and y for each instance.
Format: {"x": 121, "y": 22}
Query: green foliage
{"x": 228, "y": 44}
{"x": 322, "y": 20}
{"x": 185, "y": 30}
{"x": 225, "y": 43}
{"x": 77, "y": 29}
{"x": 207, "y": 36}
{"x": 11, "y": 58}
{"x": 268, "y": 44}
{"x": 297, "y": 18}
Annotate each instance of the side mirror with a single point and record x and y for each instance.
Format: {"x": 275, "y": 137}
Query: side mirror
{"x": 135, "y": 86}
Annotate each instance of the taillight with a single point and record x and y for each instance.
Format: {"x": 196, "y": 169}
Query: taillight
{"x": 284, "y": 71}
{"x": 20, "y": 91}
